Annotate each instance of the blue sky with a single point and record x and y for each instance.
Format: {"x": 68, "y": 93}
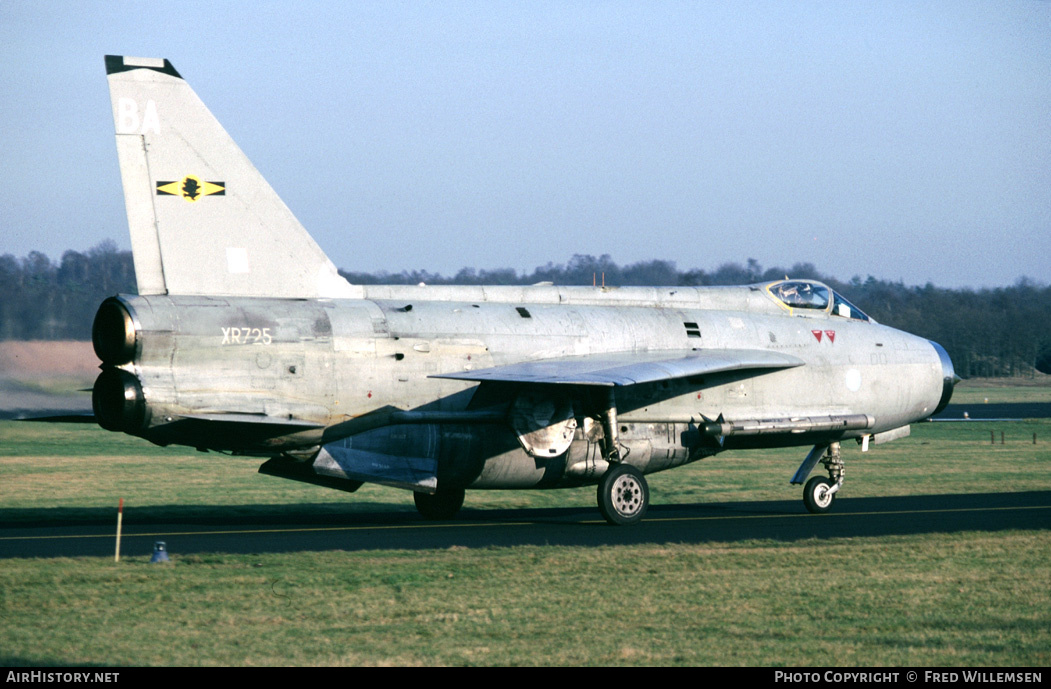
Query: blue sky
{"x": 906, "y": 140}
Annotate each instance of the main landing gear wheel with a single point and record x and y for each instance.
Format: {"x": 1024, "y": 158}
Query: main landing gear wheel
{"x": 623, "y": 495}
{"x": 441, "y": 506}
{"x": 817, "y": 495}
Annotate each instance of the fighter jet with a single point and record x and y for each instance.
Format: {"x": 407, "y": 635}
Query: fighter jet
{"x": 245, "y": 339}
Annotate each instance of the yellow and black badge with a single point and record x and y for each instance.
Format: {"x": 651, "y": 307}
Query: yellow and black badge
{"x": 191, "y": 188}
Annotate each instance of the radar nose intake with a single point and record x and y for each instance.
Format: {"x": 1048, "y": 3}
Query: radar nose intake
{"x": 949, "y": 377}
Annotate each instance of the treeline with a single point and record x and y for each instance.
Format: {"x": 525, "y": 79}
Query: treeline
{"x": 40, "y": 300}
{"x": 989, "y": 332}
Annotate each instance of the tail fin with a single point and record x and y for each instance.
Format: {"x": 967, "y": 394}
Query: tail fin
{"x": 203, "y": 220}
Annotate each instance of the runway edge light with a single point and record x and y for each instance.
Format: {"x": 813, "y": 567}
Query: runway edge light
{"x": 160, "y": 552}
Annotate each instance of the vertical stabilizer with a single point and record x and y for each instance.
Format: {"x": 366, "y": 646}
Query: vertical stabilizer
{"x": 203, "y": 220}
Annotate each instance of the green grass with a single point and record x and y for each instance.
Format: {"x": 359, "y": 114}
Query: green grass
{"x": 961, "y": 599}
{"x": 999, "y": 390}
{"x": 965, "y": 599}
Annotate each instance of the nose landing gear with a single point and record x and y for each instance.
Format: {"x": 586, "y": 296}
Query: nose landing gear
{"x": 820, "y": 493}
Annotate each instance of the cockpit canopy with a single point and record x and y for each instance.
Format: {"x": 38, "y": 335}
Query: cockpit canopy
{"x": 808, "y": 294}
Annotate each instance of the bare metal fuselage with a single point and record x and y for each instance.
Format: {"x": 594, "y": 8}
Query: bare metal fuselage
{"x": 270, "y": 376}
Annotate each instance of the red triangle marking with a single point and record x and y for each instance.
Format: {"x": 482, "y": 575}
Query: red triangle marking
{"x": 831, "y": 335}
{"x": 817, "y": 334}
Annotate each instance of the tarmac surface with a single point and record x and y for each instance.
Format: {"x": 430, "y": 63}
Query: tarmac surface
{"x": 18, "y": 401}
{"x": 296, "y": 530}
{"x": 1007, "y": 410}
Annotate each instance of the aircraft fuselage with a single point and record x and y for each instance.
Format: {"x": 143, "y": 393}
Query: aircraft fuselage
{"x": 271, "y": 376}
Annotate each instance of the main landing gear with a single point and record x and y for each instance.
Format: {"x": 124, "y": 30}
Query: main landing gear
{"x": 623, "y": 494}
{"x": 820, "y": 493}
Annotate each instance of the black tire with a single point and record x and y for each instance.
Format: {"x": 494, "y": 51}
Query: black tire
{"x": 816, "y": 497}
{"x": 441, "y": 506}
{"x": 623, "y": 495}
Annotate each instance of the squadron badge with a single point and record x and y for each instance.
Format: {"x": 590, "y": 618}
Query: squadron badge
{"x": 191, "y": 188}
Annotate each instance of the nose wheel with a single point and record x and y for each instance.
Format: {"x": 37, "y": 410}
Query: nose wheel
{"x": 623, "y": 495}
{"x": 818, "y": 496}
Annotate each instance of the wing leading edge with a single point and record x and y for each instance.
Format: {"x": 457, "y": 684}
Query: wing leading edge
{"x": 630, "y": 368}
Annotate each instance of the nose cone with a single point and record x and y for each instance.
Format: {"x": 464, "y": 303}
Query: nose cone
{"x": 949, "y": 377}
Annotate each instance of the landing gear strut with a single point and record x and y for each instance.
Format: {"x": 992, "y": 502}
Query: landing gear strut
{"x": 820, "y": 493}
{"x": 623, "y": 494}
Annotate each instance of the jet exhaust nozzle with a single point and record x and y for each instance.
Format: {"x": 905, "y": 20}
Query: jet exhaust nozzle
{"x": 113, "y": 333}
{"x": 118, "y": 402}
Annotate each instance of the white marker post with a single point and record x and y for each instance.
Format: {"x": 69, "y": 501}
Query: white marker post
{"x": 120, "y": 518}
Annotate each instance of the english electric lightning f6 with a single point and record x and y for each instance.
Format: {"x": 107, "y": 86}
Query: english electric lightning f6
{"x": 245, "y": 339}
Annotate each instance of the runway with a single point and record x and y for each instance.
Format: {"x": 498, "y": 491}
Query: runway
{"x": 295, "y": 531}
{"x": 995, "y": 411}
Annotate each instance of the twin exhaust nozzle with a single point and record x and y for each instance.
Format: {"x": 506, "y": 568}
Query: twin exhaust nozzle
{"x": 116, "y": 398}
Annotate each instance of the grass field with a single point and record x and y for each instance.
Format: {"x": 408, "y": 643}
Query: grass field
{"x": 949, "y": 600}
{"x": 962, "y": 599}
